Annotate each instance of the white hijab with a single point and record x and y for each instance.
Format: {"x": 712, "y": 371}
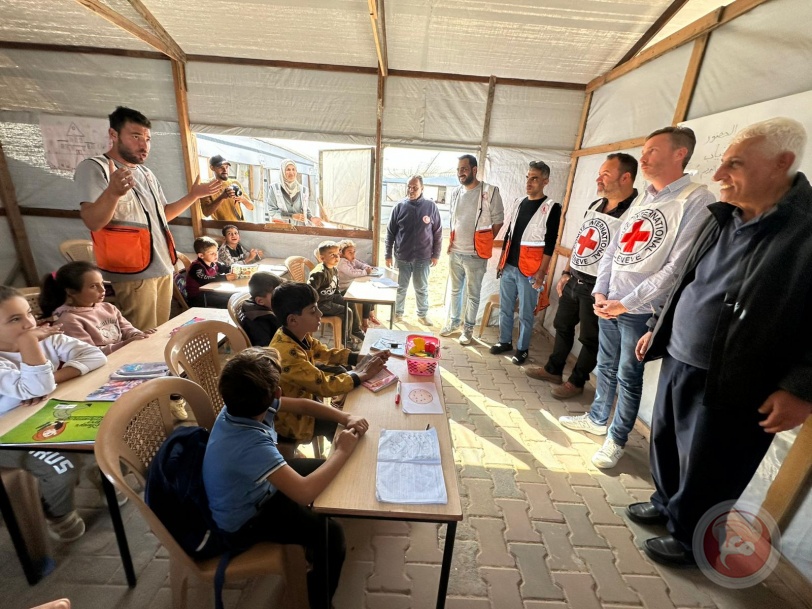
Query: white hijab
{"x": 292, "y": 188}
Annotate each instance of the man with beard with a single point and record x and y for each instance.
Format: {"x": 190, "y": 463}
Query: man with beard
{"x": 226, "y": 205}
{"x": 602, "y": 220}
{"x": 476, "y": 218}
{"x": 125, "y": 209}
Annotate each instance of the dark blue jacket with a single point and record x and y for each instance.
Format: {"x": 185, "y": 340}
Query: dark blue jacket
{"x": 414, "y": 230}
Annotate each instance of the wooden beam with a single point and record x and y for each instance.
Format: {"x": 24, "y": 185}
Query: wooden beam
{"x": 516, "y": 82}
{"x": 376, "y": 18}
{"x": 793, "y": 480}
{"x": 691, "y": 78}
{"x": 563, "y": 251}
{"x": 622, "y": 145}
{"x": 652, "y": 31}
{"x": 378, "y": 179}
{"x": 105, "y": 12}
{"x": 64, "y": 48}
{"x": 188, "y": 142}
{"x": 146, "y": 15}
{"x": 790, "y": 585}
{"x": 276, "y": 63}
{"x": 486, "y": 128}
{"x": 8, "y": 196}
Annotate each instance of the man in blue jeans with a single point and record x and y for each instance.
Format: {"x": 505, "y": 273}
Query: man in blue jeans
{"x": 639, "y": 268}
{"x": 415, "y": 234}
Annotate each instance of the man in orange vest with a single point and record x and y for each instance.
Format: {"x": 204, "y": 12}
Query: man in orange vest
{"x": 125, "y": 209}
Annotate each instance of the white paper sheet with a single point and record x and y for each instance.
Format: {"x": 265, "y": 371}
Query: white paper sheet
{"x": 409, "y": 468}
{"x": 421, "y": 398}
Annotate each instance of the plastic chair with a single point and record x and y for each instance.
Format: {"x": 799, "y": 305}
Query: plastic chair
{"x": 130, "y": 435}
{"x": 235, "y": 306}
{"x": 194, "y": 350}
{"x": 493, "y": 301}
{"x": 296, "y": 268}
{"x": 77, "y": 249}
{"x": 32, "y": 296}
{"x": 184, "y": 259}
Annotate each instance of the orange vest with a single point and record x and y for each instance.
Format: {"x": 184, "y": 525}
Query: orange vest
{"x": 124, "y": 245}
{"x": 483, "y": 230}
{"x": 531, "y": 248}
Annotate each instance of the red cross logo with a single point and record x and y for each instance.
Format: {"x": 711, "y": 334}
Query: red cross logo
{"x": 586, "y": 242}
{"x": 631, "y": 238}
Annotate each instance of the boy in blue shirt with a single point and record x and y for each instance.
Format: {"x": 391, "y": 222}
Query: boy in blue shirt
{"x": 254, "y": 495}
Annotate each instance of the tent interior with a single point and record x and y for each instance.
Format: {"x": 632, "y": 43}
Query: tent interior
{"x": 558, "y": 80}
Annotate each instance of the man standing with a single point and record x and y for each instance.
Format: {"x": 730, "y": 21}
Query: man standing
{"x": 636, "y": 273}
{"x": 226, "y": 204}
{"x": 125, "y": 209}
{"x": 733, "y": 335}
{"x": 601, "y": 221}
{"x": 476, "y": 219}
{"x": 416, "y": 235}
{"x": 529, "y": 243}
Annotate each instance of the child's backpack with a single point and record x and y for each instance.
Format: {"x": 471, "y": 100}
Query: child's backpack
{"x": 174, "y": 491}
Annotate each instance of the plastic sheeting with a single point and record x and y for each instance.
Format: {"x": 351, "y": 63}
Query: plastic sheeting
{"x": 639, "y": 102}
{"x": 346, "y": 182}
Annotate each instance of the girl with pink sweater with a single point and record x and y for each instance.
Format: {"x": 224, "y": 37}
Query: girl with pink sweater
{"x": 75, "y": 296}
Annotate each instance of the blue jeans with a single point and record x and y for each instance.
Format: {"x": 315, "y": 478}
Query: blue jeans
{"x": 418, "y": 272}
{"x": 514, "y": 284}
{"x": 620, "y": 373}
{"x": 465, "y": 271}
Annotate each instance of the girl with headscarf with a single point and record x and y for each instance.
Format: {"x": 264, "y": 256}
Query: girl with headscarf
{"x": 287, "y": 200}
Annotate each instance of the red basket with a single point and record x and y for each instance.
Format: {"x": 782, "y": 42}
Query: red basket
{"x": 422, "y": 366}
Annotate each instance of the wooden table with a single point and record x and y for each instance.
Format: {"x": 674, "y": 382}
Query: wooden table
{"x": 362, "y": 291}
{"x": 352, "y": 492}
{"x": 148, "y": 350}
{"x": 268, "y": 265}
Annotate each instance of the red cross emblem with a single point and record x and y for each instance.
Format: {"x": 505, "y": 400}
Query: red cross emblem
{"x": 586, "y": 242}
{"x": 630, "y": 239}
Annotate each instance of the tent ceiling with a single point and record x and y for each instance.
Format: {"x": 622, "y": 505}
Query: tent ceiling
{"x": 548, "y": 40}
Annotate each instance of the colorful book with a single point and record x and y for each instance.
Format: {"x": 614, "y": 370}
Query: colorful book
{"x": 385, "y": 282}
{"x": 194, "y": 320}
{"x": 144, "y": 370}
{"x": 381, "y": 380}
{"x": 112, "y": 390}
{"x": 61, "y": 422}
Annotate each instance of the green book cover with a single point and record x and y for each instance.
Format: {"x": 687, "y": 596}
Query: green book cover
{"x": 60, "y": 421}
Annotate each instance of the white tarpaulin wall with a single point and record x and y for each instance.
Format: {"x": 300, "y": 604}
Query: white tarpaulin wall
{"x": 346, "y": 186}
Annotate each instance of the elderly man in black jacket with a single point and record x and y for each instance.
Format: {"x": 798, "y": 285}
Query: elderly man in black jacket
{"x": 735, "y": 336}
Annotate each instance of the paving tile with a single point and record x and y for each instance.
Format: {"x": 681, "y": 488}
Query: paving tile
{"x": 561, "y": 555}
{"x": 582, "y": 532}
{"x": 541, "y": 507}
{"x": 519, "y": 527}
{"x": 600, "y": 512}
{"x": 388, "y": 575}
{"x": 467, "y": 602}
{"x": 611, "y": 586}
{"x": 512, "y": 441}
{"x": 630, "y": 481}
{"x": 536, "y": 579}
{"x": 560, "y": 489}
{"x": 485, "y": 427}
{"x": 628, "y": 557}
{"x": 480, "y": 494}
{"x": 384, "y": 600}
{"x": 542, "y": 452}
{"x": 353, "y": 583}
{"x": 503, "y": 588}
{"x": 504, "y": 483}
{"x": 579, "y": 590}
{"x": 683, "y": 589}
{"x": 578, "y": 477}
{"x": 496, "y": 456}
{"x": 424, "y": 543}
{"x": 358, "y": 534}
{"x": 465, "y": 578}
{"x": 492, "y": 547}
{"x": 527, "y": 472}
{"x": 389, "y": 527}
{"x": 651, "y": 590}
{"x": 425, "y": 580}
{"x": 616, "y": 493}
{"x": 545, "y": 605}
{"x": 465, "y": 437}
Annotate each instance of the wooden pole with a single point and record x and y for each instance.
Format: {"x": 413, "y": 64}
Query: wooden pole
{"x": 486, "y": 128}
{"x": 8, "y": 196}
{"x": 691, "y": 78}
{"x": 378, "y": 185}
{"x": 188, "y": 142}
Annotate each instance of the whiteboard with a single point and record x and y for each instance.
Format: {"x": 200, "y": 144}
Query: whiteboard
{"x": 714, "y": 132}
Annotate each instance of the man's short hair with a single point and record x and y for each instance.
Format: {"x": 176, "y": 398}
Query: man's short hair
{"x": 780, "y": 134}
{"x": 292, "y": 298}
{"x": 201, "y": 244}
{"x": 415, "y": 177}
{"x": 122, "y": 115}
{"x": 628, "y": 164}
{"x": 263, "y": 283}
{"x": 681, "y": 137}
{"x": 471, "y": 159}
{"x": 249, "y": 380}
{"x": 541, "y": 166}
{"x": 326, "y": 245}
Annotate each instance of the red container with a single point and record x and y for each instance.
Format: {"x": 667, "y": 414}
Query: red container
{"x": 422, "y": 366}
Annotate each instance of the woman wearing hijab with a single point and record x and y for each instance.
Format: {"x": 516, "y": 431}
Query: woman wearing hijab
{"x": 288, "y": 199}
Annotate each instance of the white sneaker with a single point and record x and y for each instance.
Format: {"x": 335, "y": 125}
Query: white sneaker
{"x": 583, "y": 423}
{"x": 608, "y": 455}
{"x": 449, "y": 329}
{"x": 466, "y": 337}
{"x": 69, "y": 527}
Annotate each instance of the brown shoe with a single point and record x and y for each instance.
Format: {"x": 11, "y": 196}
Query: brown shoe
{"x": 541, "y": 374}
{"x": 566, "y": 391}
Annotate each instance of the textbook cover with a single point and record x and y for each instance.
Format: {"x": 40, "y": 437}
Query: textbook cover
{"x": 112, "y": 390}
{"x": 59, "y": 421}
{"x": 383, "y": 379}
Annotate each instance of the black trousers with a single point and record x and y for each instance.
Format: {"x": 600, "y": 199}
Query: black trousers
{"x": 282, "y": 520}
{"x": 700, "y": 456}
{"x": 574, "y": 307}
{"x": 337, "y": 306}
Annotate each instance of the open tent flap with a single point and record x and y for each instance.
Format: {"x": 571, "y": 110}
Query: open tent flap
{"x": 346, "y": 183}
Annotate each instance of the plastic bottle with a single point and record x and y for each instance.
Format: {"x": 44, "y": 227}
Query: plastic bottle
{"x": 177, "y": 406}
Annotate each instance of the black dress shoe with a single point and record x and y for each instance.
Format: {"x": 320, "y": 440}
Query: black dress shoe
{"x": 520, "y": 357}
{"x": 668, "y": 551}
{"x": 501, "y": 348}
{"x": 645, "y": 513}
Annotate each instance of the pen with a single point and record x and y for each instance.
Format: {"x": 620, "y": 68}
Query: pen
{"x": 397, "y": 396}
{"x": 428, "y": 426}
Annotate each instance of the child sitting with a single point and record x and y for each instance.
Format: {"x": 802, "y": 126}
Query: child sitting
{"x": 324, "y": 279}
{"x": 349, "y": 267}
{"x": 75, "y": 296}
{"x": 206, "y": 270}
{"x": 296, "y": 308}
{"x": 254, "y": 495}
{"x": 30, "y": 360}
{"x": 232, "y": 251}
{"x": 256, "y": 315}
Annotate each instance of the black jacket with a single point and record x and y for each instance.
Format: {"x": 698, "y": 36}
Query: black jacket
{"x": 763, "y": 340}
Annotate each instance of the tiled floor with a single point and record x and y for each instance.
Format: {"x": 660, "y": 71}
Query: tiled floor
{"x": 543, "y": 528}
